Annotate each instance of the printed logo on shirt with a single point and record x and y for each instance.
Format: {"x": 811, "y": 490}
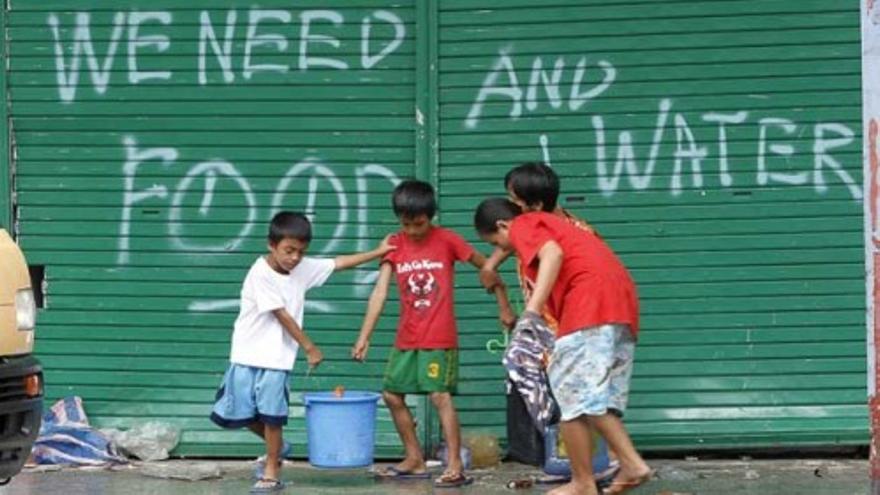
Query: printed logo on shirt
{"x": 423, "y": 289}
{"x": 411, "y": 266}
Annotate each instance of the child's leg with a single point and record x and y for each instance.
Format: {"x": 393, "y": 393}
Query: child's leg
{"x": 414, "y": 461}
{"x": 633, "y": 468}
{"x": 272, "y": 437}
{"x": 451, "y": 429}
{"x": 258, "y": 428}
{"x": 578, "y": 440}
{"x": 271, "y": 396}
{"x": 589, "y": 374}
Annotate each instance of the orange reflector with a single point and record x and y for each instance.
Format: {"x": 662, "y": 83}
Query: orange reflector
{"x": 33, "y": 386}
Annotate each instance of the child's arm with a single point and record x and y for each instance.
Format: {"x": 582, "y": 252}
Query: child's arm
{"x": 489, "y": 269}
{"x": 352, "y": 260}
{"x": 374, "y": 310}
{"x": 313, "y": 354}
{"x": 550, "y": 261}
{"x": 505, "y": 312}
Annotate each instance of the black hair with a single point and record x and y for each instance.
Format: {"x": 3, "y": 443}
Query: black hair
{"x": 288, "y": 224}
{"x": 534, "y": 182}
{"x": 491, "y": 210}
{"x": 412, "y": 198}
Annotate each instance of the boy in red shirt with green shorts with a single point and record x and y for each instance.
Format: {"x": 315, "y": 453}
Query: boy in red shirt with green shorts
{"x": 591, "y": 295}
{"x": 424, "y": 359}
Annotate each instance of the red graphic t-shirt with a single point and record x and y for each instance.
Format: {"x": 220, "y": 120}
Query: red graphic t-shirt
{"x": 425, "y": 273}
{"x": 593, "y": 287}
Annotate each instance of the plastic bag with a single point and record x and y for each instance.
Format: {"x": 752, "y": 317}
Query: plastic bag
{"x": 443, "y": 453}
{"x": 485, "y": 451}
{"x": 66, "y": 438}
{"x": 151, "y": 441}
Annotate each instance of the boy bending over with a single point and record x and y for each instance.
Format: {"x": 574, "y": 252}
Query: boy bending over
{"x": 591, "y": 295}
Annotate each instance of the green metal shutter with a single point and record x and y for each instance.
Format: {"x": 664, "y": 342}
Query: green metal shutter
{"x": 154, "y": 140}
{"x": 144, "y": 183}
{"x": 716, "y": 147}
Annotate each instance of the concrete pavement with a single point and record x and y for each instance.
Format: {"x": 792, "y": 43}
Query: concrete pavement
{"x": 676, "y": 477}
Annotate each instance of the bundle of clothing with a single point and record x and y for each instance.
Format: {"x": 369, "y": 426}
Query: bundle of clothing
{"x": 526, "y": 362}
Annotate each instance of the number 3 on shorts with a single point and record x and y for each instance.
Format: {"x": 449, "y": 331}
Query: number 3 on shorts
{"x": 434, "y": 370}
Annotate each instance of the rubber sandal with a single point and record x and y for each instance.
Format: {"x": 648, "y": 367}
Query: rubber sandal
{"x": 267, "y": 485}
{"x": 618, "y": 487}
{"x": 452, "y": 480}
{"x": 260, "y": 466}
{"x": 606, "y": 477}
{"x": 551, "y": 479}
{"x": 394, "y": 473}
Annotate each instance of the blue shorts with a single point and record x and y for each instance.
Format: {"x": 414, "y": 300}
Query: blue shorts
{"x": 249, "y": 395}
{"x": 590, "y": 370}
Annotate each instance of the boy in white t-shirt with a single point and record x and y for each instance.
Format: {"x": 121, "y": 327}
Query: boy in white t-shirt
{"x": 268, "y": 333}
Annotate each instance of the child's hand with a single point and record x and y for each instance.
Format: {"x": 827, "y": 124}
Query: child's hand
{"x": 489, "y": 279}
{"x": 385, "y": 246}
{"x": 314, "y": 356}
{"x": 507, "y": 317}
{"x": 359, "y": 350}
{"x": 532, "y": 317}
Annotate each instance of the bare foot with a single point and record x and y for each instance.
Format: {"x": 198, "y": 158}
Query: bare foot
{"x": 272, "y": 472}
{"x": 455, "y": 467}
{"x": 628, "y": 479}
{"x": 406, "y": 469}
{"x": 575, "y": 488}
{"x": 415, "y": 466}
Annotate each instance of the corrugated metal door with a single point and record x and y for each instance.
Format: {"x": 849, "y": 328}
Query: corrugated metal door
{"x": 716, "y": 152}
{"x": 154, "y": 140}
{"x": 715, "y": 145}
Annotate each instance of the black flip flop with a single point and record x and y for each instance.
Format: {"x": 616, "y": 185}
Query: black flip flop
{"x": 551, "y": 479}
{"x": 453, "y": 481}
{"x": 393, "y": 473}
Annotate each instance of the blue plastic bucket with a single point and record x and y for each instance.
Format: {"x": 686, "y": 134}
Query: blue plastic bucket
{"x": 557, "y": 463}
{"x": 341, "y": 430}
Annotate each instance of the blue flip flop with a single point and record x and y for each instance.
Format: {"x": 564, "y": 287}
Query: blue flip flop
{"x": 393, "y": 473}
{"x": 260, "y": 466}
{"x": 266, "y": 485}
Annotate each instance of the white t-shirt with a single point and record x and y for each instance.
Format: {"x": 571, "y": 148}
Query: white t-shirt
{"x": 259, "y": 339}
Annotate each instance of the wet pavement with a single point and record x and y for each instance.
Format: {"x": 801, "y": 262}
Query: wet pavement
{"x": 675, "y": 477}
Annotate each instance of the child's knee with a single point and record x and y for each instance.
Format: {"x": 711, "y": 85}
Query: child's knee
{"x": 272, "y": 428}
{"x": 441, "y": 400}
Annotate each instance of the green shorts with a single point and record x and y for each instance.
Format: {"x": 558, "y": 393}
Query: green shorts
{"x": 421, "y": 371}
